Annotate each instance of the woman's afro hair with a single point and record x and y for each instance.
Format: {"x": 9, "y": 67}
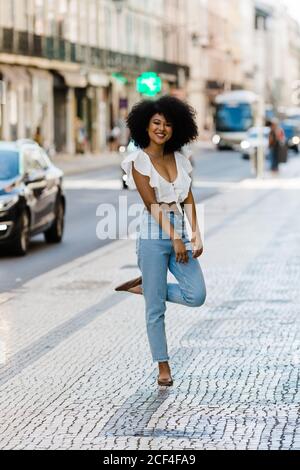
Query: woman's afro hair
{"x": 179, "y": 113}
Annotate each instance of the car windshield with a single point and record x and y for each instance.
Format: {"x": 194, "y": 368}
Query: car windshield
{"x": 9, "y": 164}
{"x": 289, "y": 129}
{"x": 296, "y": 117}
{"x": 234, "y": 117}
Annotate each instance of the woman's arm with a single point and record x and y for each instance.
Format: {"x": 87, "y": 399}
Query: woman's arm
{"x": 190, "y": 210}
{"x": 148, "y": 196}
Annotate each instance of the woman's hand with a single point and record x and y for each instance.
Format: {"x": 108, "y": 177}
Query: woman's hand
{"x": 180, "y": 251}
{"x": 197, "y": 247}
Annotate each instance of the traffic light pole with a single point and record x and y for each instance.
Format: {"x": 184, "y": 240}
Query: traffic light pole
{"x": 260, "y": 149}
{"x": 260, "y": 167}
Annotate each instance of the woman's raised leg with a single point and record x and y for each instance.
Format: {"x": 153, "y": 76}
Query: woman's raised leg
{"x": 190, "y": 290}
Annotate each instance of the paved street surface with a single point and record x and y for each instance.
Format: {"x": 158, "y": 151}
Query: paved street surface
{"x": 86, "y": 191}
{"x": 76, "y": 372}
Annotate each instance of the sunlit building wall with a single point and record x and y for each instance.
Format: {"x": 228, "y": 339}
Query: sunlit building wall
{"x": 79, "y": 59}
{"x": 277, "y": 61}
{"x": 215, "y": 53}
{"x": 246, "y": 41}
{"x": 69, "y": 59}
{"x": 197, "y": 43}
{"x": 293, "y": 66}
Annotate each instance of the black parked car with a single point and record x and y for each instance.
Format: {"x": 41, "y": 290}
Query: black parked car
{"x": 31, "y": 196}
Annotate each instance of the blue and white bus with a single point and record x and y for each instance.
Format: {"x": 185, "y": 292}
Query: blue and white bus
{"x": 236, "y": 113}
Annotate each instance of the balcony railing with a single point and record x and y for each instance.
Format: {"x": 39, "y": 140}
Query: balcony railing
{"x": 22, "y": 42}
{"x": 53, "y": 48}
{"x": 49, "y": 49}
{"x": 37, "y": 46}
{"x": 7, "y": 40}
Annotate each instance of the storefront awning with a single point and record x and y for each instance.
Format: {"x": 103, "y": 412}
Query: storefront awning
{"x": 23, "y": 76}
{"x": 97, "y": 79}
{"x": 16, "y": 75}
{"x": 75, "y": 80}
{"x": 9, "y": 74}
{"x": 41, "y": 73}
{"x": 168, "y": 77}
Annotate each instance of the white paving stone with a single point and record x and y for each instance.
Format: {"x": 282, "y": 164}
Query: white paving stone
{"x": 76, "y": 371}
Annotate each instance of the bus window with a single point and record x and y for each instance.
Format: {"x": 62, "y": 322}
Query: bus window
{"x": 234, "y": 118}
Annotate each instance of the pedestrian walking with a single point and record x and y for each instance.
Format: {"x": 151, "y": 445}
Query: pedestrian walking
{"x": 161, "y": 174}
{"x": 38, "y": 137}
{"x": 276, "y": 142}
{"x": 81, "y": 136}
{"x": 114, "y": 138}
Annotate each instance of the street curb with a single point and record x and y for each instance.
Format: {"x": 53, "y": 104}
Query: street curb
{"x": 73, "y": 165}
{"x": 90, "y": 169}
{"x": 85, "y": 164}
{"x": 82, "y": 260}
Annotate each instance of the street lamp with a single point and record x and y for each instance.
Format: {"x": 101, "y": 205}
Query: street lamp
{"x": 261, "y": 102}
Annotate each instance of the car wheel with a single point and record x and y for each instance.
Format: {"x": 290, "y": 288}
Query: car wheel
{"x": 20, "y": 246}
{"x": 55, "y": 233}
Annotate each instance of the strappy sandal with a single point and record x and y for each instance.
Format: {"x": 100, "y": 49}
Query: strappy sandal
{"x": 165, "y": 382}
{"x": 129, "y": 285}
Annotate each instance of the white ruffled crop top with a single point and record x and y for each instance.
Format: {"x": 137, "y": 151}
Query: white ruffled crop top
{"x": 164, "y": 190}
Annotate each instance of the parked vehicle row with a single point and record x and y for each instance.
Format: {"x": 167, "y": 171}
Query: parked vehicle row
{"x": 32, "y": 199}
{"x": 291, "y": 130}
{"x": 249, "y": 146}
{"x": 235, "y": 117}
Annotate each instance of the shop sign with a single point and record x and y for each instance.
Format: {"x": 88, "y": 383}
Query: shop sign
{"x": 123, "y": 103}
{"x": 120, "y": 78}
{"x": 149, "y": 84}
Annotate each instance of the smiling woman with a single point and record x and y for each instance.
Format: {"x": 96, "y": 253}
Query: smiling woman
{"x": 175, "y": 112}
{"x": 161, "y": 174}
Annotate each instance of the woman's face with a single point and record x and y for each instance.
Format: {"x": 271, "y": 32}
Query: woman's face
{"x": 160, "y": 130}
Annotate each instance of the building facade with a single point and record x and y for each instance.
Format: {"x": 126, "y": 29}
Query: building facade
{"x": 277, "y": 62}
{"x": 70, "y": 66}
{"x": 215, "y": 53}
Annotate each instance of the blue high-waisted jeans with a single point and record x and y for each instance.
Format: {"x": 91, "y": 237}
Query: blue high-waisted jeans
{"x": 156, "y": 255}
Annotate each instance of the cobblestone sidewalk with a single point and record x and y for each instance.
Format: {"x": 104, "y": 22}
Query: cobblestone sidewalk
{"x": 76, "y": 371}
